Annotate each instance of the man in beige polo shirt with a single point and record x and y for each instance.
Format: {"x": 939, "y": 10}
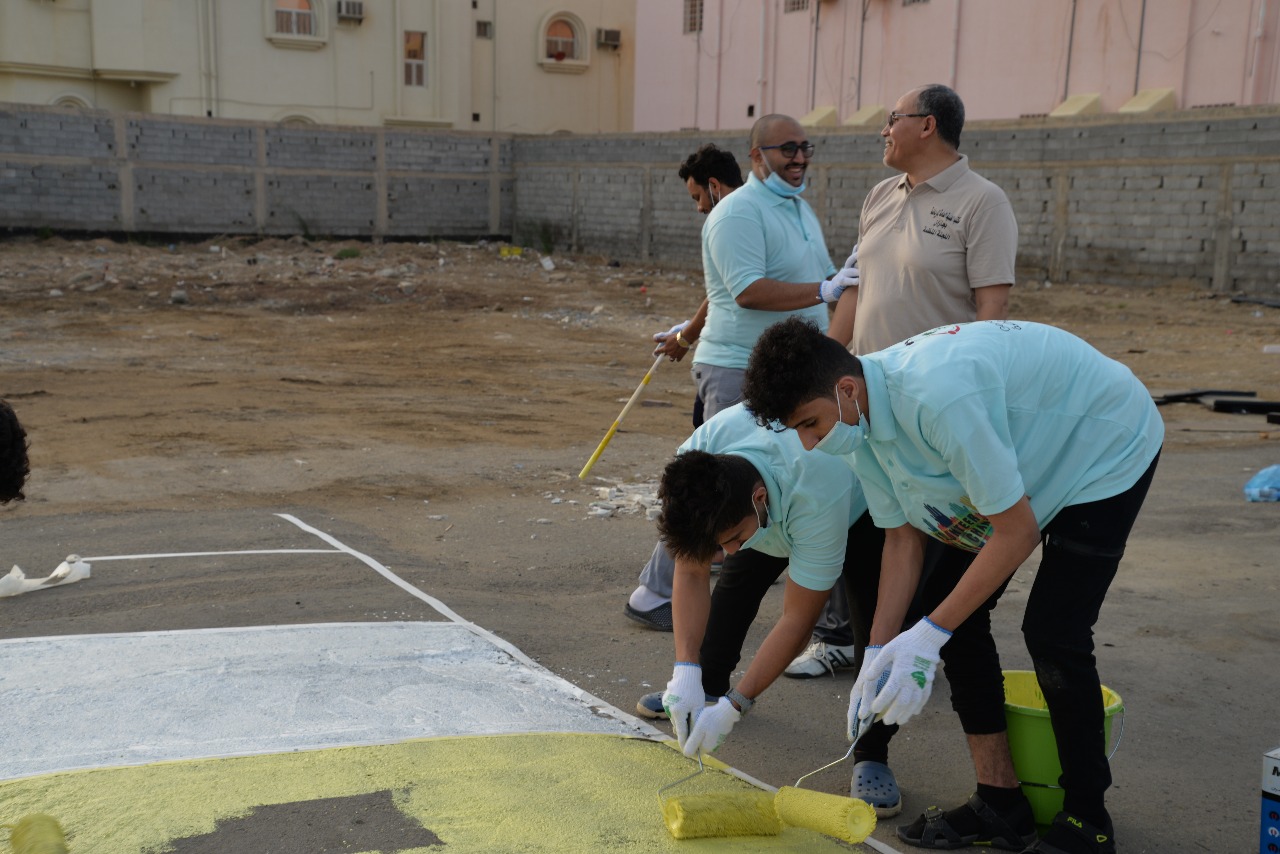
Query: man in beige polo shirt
{"x": 937, "y": 244}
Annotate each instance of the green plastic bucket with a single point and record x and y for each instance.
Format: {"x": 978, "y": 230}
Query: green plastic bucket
{"x": 1035, "y": 753}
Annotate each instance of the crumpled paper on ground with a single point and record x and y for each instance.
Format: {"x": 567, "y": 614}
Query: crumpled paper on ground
{"x": 71, "y": 570}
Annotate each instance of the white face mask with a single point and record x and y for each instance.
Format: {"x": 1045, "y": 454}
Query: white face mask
{"x": 843, "y": 439}
{"x": 764, "y": 523}
{"x": 775, "y": 183}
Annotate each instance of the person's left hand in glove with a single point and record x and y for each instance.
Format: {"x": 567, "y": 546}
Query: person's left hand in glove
{"x": 848, "y": 277}
{"x": 712, "y": 728}
{"x": 672, "y": 343}
{"x": 911, "y": 659}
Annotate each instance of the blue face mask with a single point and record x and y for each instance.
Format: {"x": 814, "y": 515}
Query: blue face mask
{"x": 764, "y": 525}
{"x": 843, "y": 439}
{"x": 775, "y": 183}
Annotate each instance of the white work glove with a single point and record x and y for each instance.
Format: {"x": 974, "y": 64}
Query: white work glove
{"x": 860, "y": 716}
{"x": 684, "y": 699}
{"x": 670, "y": 333}
{"x": 848, "y": 277}
{"x": 911, "y": 659}
{"x": 713, "y": 727}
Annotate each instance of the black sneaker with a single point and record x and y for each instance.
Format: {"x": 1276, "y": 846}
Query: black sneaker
{"x": 659, "y": 619}
{"x": 1068, "y": 834}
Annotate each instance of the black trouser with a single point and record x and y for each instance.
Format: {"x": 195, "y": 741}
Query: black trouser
{"x": 745, "y": 578}
{"x": 1082, "y": 548}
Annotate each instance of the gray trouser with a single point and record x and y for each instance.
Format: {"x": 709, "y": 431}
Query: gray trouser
{"x": 719, "y": 389}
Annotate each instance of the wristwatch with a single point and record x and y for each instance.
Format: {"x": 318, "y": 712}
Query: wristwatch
{"x": 742, "y": 702}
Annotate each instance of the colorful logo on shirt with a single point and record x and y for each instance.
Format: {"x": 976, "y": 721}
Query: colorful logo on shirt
{"x": 960, "y": 525}
{"x": 953, "y": 329}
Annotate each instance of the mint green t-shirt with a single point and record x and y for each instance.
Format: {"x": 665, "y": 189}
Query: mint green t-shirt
{"x": 752, "y": 234}
{"x": 968, "y": 418}
{"x": 813, "y": 499}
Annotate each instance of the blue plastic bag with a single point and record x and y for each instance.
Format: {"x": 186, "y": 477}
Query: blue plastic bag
{"x": 1264, "y": 486}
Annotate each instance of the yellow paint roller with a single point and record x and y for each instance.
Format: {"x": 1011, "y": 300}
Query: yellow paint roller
{"x": 37, "y": 834}
{"x": 621, "y": 415}
{"x": 718, "y": 813}
{"x": 844, "y": 818}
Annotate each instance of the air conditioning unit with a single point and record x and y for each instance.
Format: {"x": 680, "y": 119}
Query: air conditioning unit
{"x": 608, "y": 38}
{"x": 351, "y": 10}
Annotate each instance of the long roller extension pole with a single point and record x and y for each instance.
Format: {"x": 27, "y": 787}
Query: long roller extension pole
{"x": 621, "y": 415}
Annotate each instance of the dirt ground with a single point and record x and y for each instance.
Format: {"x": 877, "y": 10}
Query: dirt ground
{"x": 438, "y": 401}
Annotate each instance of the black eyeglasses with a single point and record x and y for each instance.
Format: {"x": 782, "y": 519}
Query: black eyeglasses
{"x": 893, "y": 117}
{"x": 789, "y": 149}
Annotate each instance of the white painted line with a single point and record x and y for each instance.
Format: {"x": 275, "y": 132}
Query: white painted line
{"x": 215, "y": 554}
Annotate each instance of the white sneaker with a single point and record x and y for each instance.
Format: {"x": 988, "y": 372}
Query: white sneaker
{"x": 820, "y": 659}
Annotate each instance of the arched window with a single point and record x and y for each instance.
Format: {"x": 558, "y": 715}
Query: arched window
{"x": 562, "y": 41}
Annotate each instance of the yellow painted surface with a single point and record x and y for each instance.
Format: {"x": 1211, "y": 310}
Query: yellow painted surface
{"x": 524, "y": 793}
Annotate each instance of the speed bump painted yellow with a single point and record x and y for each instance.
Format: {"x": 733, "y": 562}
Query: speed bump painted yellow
{"x": 474, "y": 795}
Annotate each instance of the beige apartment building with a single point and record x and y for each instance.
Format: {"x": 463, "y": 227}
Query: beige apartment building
{"x": 521, "y": 66}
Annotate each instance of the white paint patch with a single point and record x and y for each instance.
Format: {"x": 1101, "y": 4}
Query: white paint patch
{"x": 86, "y": 701}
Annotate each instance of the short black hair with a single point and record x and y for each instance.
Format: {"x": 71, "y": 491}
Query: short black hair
{"x": 711, "y": 162}
{"x": 947, "y": 110}
{"x": 793, "y": 363}
{"x": 14, "y": 466}
{"x": 703, "y": 495}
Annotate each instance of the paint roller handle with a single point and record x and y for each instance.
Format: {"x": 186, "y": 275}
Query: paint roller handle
{"x": 859, "y": 718}
{"x": 618, "y": 421}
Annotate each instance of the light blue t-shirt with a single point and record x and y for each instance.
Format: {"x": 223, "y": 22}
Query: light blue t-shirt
{"x": 752, "y": 234}
{"x": 968, "y": 418}
{"x": 813, "y": 499}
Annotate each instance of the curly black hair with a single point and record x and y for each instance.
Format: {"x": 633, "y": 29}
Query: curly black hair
{"x": 703, "y": 495}
{"x": 793, "y": 363}
{"x": 14, "y": 466}
{"x": 711, "y": 162}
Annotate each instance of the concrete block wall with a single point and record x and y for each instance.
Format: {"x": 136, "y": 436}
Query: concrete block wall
{"x": 1129, "y": 200}
{"x": 1133, "y": 200}
{"x": 128, "y": 172}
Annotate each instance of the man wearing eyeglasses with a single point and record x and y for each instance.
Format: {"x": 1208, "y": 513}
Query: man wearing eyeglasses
{"x": 937, "y": 242}
{"x": 764, "y": 259}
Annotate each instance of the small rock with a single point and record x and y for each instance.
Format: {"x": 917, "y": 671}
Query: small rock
{"x": 179, "y": 297}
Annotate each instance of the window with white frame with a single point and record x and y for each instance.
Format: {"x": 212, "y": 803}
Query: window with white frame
{"x": 795, "y": 5}
{"x": 295, "y": 24}
{"x": 415, "y": 58}
{"x": 295, "y": 18}
{"x": 562, "y": 43}
{"x": 693, "y": 16}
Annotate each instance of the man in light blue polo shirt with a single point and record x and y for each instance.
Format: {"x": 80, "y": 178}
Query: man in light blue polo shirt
{"x": 771, "y": 506}
{"x": 764, "y": 259}
{"x": 994, "y": 437}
